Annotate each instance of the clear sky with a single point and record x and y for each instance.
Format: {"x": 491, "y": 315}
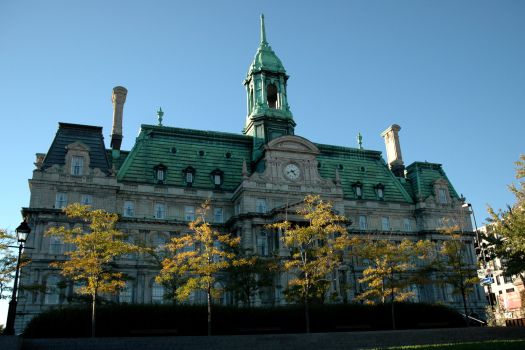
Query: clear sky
{"x": 450, "y": 72}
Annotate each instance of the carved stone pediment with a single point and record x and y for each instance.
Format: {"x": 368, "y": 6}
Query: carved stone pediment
{"x": 291, "y": 143}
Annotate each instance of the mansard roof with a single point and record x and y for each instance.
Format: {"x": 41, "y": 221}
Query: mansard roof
{"x": 177, "y": 149}
{"x": 359, "y": 166}
{"x": 423, "y": 176}
{"x": 90, "y": 136}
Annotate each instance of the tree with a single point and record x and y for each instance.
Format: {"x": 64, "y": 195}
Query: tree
{"x": 244, "y": 281}
{"x": 7, "y": 264}
{"x": 509, "y": 228}
{"x": 391, "y": 270}
{"x": 91, "y": 262}
{"x": 199, "y": 258}
{"x": 316, "y": 249}
{"x": 451, "y": 266}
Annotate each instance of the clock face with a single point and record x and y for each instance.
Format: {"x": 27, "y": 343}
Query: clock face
{"x": 292, "y": 171}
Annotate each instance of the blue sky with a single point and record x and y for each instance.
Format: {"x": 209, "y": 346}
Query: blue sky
{"x": 450, "y": 72}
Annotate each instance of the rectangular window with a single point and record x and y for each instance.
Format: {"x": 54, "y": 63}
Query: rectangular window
{"x": 260, "y": 205}
{"x": 407, "y": 226}
{"x": 362, "y": 222}
{"x": 442, "y": 196}
{"x": 238, "y": 208}
{"x": 126, "y": 294}
{"x": 510, "y": 290}
{"x": 157, "y": 293}
{"x": 86, "y": 199}
{"x": 359, "y": 191}
{"x": 129, "y": 209}
{"x": 217, "y": 215}
{"x": 77, "y": 165}
{"x": 56, "y": 246}
{"x": 217, "y": 179}
{"x": 507, "y": 279}
{"x": 262, "y": 245}
{"x": 60, "y": 200}
{"x": 160, "y": 211}
{"x": 160, "y": 174}
{"x": 385, "y": 223}
{"x": 189, "y": 177}
{"x": 189, "y": 213}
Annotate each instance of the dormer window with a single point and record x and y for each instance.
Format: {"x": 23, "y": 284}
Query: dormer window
{"x": 189, "y": 176}
{"x": 442, "y": 193}
{"x": 160, "y": 173}
{"x": 77, "y": 165}
{"x": 358, "y": 190}
{"x": 217, "y": 177}
{"x": 380, "y": 191}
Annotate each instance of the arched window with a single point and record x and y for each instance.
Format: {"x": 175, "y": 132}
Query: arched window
{"x": 271, "y": 95}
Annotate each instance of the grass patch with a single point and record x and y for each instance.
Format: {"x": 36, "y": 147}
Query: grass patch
{"x": 485, "y": 345}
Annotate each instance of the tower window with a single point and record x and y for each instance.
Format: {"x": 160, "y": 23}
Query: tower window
{"x": 271, "y": 95}
{"x": 442, "y": 196}
{"x": 60, "y": 200}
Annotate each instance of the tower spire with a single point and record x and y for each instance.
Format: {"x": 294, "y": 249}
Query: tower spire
{"x": 263, "y": 31}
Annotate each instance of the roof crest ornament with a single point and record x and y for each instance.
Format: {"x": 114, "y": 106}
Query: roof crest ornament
{"x": 263, "y": 32}
{"x": 360, "y": 140}
{"x": 160, "y": 114}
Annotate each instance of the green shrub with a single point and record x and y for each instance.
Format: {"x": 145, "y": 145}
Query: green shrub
{"x": 147, "y": 319}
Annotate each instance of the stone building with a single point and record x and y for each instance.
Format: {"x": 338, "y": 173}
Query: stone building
{"x": 252, "y": 179}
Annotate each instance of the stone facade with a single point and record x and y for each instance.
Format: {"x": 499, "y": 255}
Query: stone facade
{"x": 252, "y": 180}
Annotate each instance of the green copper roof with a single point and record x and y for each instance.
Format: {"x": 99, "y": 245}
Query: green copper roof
{"x": 423, "y": 175}
{"x": 265, "y": 59}
{"x": 177, "y": 149}
{"x": 361, "y": 166}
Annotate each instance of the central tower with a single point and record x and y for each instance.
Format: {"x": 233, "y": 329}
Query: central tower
{"x": 269, "y": 115}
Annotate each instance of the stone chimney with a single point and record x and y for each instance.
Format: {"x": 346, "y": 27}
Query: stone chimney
{"x": 118, "y": 98}
{"x": 393, "y": 150}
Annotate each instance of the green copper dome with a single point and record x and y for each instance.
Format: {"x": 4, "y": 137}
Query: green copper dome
{"x": 265, "y": 59}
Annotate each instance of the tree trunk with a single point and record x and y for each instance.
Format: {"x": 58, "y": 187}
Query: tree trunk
{"x": 209, "y": 311}
{"x": 306, "y": 313}
{"x": 93, "y": 309}
{"x": 392, "y": 310}
{"x": 464, "y": 297}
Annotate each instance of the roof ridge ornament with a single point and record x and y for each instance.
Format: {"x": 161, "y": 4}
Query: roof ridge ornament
{"x": 360, "y": 140}
{"x": 160, "y": 114}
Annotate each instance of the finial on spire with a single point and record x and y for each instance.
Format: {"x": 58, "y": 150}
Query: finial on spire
{"x": 360, "y": 140}
{"x": 160, "y": 114}
{"x": 263, "y": 31}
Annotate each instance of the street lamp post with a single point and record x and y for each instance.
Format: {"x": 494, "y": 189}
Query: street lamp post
{"x": 22, "y": 232}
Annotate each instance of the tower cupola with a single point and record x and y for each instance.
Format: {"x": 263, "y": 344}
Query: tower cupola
{"x": 268, "y": 112}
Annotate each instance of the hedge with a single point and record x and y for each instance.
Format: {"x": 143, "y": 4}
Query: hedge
{"x": 148, "y": 320}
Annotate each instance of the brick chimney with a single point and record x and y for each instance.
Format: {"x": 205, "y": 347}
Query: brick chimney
{"x": 393, "y": 150}
{"x": 118, "y": 98}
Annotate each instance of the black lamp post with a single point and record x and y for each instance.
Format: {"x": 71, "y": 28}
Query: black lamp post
{"x": 22, "y": 232}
